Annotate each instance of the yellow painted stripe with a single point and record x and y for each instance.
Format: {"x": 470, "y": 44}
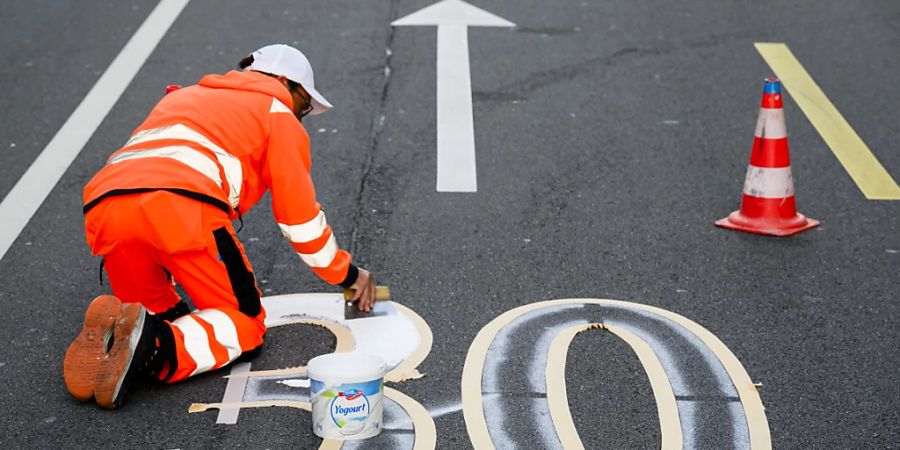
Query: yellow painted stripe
{"x": 473, "y": 412}
{"x": 871, "y": 177}
{"x": 423, "y": 424}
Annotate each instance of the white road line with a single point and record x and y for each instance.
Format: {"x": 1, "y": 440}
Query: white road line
{"x": 456, "y": 171}
{"x": 35, "y": 185}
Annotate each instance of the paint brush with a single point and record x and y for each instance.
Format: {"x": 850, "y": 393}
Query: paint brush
{"x": 382, "y": 293}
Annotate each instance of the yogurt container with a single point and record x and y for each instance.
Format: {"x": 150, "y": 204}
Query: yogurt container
{"x": 345, "y": 391}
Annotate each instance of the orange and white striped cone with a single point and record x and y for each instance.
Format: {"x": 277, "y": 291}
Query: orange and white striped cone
{"x": 767, "y": 206}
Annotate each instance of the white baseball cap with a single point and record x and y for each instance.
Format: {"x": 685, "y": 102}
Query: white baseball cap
{"x": 280, "y": 59}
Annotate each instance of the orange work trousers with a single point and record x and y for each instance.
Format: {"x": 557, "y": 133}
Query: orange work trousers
{"x": 149, "y": 239}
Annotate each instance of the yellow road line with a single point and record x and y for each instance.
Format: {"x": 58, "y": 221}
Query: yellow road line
{"x": 871, "y": 177}
{"x": 557, "y": 398}
{"x": 473, "y": 412}
{"x": 423, "y": 424}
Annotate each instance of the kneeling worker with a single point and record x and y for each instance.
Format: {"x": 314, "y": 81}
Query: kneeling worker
{"x": 162, "y": 209}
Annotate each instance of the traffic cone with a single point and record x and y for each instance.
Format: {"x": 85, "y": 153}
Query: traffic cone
{"x": 767, "y": 206}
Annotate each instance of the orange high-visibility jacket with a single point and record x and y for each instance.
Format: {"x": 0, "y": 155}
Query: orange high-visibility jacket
{"x": 225, "y": 142}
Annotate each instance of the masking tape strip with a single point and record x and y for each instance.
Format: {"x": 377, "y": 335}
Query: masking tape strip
{"x": 331, "y": 444}
{"x": 299, "y": 370}
{"x": 406, "y": 370}
{"x": 669, "y": 422}
{"x": 200, "y": 407}
{"x": 423, "y": 424}
{"x": 473, "y": 412}
{"x": 345, "y": 343}
{"x": 557, "y": 397}
{"x": 234, "y": 392}
{"x": 856, "y": 157}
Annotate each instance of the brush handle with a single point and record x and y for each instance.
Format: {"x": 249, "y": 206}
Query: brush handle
{"x": 382, "y": 293}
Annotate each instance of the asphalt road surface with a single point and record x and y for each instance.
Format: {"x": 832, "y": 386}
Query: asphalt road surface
{"x": 609, "y": 136}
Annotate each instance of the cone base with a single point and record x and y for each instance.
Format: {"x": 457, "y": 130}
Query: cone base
{"x": 768, "y": 227}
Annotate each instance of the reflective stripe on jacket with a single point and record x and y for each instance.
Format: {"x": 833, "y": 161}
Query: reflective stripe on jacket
{"x": 226, "y": 141}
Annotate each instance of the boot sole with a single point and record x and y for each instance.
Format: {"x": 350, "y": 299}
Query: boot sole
{"x": 86, "y": 353}
{"x": 114, "y": 368}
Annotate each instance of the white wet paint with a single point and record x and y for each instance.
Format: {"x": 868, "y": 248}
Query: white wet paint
{"x": 392, "y": 336}
{"x": 296, "y": 383}
{"x": 723, "y": 381}
{"x": 537, "y": 380}
{"x": 496, "y": 355}
{"x": 495, "y": 408}
{"x": 395, "y": 418}
{"x": 456, "y": 170}
{"x": 23, "y": 201}
{"x": 491, "y": 382}
{"x": 537, "y": 370}
{"x": 441, "y": 411}
{"x": 674, "y": 369}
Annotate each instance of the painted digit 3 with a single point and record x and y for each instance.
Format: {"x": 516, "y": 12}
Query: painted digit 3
{"x": 395, "y": 333}
{"x": 669, "y": 346}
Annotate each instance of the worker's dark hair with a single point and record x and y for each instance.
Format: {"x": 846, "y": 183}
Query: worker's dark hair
{"x": 244, "y": 63}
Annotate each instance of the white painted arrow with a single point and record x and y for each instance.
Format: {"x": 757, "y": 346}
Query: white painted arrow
{"x": 455, "y": 127}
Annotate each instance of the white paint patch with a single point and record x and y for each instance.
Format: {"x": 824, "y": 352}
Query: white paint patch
{"x": 395, "y": 417}
{"x": 2, "y": 365}
{"x": 262, "y": 388}
{"x": 671, "y": 122}
{"x": 296, "y": 383}
{"x": 491, "y": 382}
{"x": 547, "y": 430}
{"x": 392, "y": 336}
{"x": 441, "y": 411}
{"x": 687, "y": 412}
{"x": 686, "y": 409}
{"x": 496, "y": 408}
{"x": 496, "y": 355}
{"x": 892, "y": 251}
{"x": 739, "y": 428}
{"x": 21, "y": 203}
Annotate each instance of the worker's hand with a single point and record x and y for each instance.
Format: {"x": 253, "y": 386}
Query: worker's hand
{"x": 364, "y": 291}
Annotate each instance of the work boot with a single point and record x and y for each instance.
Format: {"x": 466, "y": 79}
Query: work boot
{"x": 87, "y": 351}
{"x": 142, "y": 345}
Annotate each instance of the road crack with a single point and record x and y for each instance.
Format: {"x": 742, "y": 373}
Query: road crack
{"x": 375, "y": 130}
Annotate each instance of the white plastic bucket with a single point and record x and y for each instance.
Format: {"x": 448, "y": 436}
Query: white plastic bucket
{"x": 345, "y": 390}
